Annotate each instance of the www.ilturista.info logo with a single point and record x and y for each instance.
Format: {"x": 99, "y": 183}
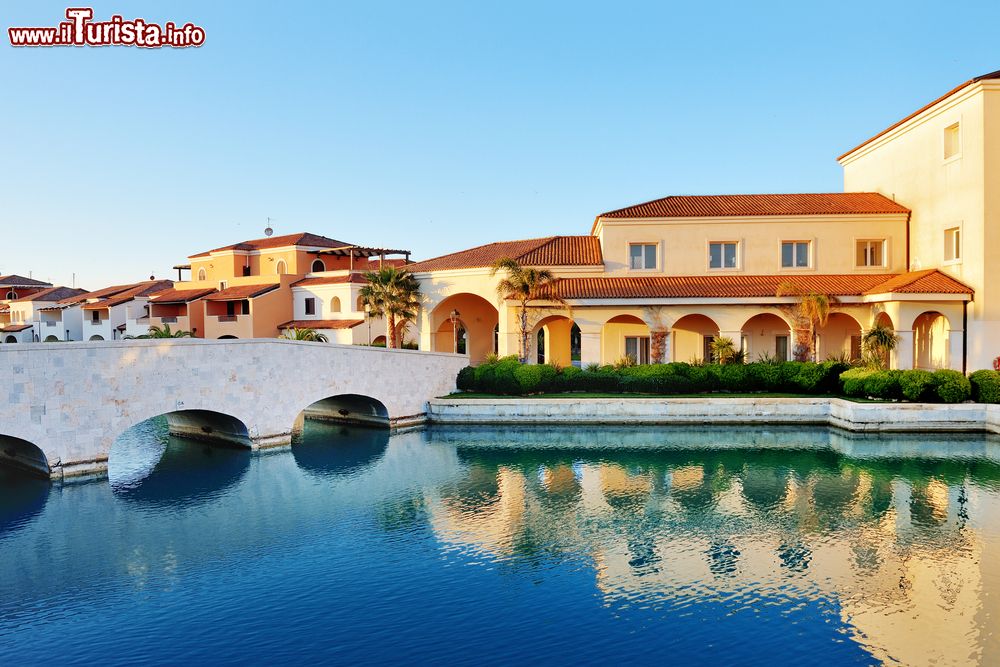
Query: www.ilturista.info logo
{"x": 79, "y": 30}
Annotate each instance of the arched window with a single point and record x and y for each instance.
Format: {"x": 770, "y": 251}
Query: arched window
{"x": 12, "y": 294}
{"x": 318, "y": 266}
{"x": 281, "y": 268}
{"x": 202, "y": 275}
{"x": 335, "y": 305}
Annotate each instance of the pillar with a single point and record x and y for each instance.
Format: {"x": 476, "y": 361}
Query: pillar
{"x": 590, "y": 347}
{"x": 956, "y": 350}
{"x": 902, "y": 356}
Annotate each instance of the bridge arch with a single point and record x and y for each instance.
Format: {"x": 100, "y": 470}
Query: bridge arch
{"x": 348, "y": 409}
{"x": 23, "y": 455}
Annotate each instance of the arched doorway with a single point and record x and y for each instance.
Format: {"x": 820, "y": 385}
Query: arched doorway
{"x": 10, "y": 339}
{"x": 767, "y": 336}
{"x": 557, "y": 341}
{"x": 51, "y": 339}
{"x": 839, "y": 338}
{"x": 692, "y": 336}
{"x": 475, "y": 319}
{"x": 930, "y": 341}
{"x": 625, "y": 336}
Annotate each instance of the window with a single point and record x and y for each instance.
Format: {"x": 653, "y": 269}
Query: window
{"x": 637, "y": 347}
{"x": 318, "y": 266}
{"x": 12, "y": 294}
{"x": 706, "y": 348}
{"x": 310, "y": 306}
{"x": 781, "y": 347}
{"x": 95, "y": 316}
{"x": 795, "y": 254}
{"x": 642, "y": 256}
{"x": 953, "y": 244}
{"x": 280, "y": 268}
{"x": 870, "y": 252}
{"x": 202, "y": 275}
{"x": 952, "y": 141}
{"x": 335, "y": 304}
{"x": 246, "y": 270}
{"x": 722, "y": 255}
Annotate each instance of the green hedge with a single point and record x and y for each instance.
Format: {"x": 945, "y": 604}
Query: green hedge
{"x": 508, "y": 377}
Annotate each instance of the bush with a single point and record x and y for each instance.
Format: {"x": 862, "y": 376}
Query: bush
{"x": 467, "y": 379}
{"x": 883, "y": 384}
{"x": 985, "y": 386}
{"x": 917, "y": 385}
{"x": 951, "y": 386}
{"x": 852, "y": 382}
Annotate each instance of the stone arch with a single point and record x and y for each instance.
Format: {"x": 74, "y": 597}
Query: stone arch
{"x": 317, "y": 266}
{"x": 379, "y": 341}
{"x": 476, "y": 316}
{"x": 51, "y": 339}
{"x": 24, "y": 456}
{"x": 196, "y": 424}
{"x": 335, "y": 304}
{"x": 839, "y": 337}
{"x": 561, "y": 340}
{"x": 930, "y": 340}
{"x": 356, "y": 409}
{"x": 882, "y": 318}
{"x": 96, "y": 337}
{"x": 10, "y": 339}
{"x": 766, "y": 335}
{"x": 691, "y": 336}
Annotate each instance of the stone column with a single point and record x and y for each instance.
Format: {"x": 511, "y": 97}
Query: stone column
{"x": 590, "y": 348}
{"x": 902, "y": 356}
{"x": 955, "y": 349}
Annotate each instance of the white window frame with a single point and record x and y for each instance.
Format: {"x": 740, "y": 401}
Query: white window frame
{"x": 957, "y": 126}
{"x": 628, "y": 254}
{"x": 810, "y": 253}
{"x": 640, "y": 348}
{"x": 305, "y": 305}
{"x": 949, "y": 240}
{"x": 739, "y": 255}
{"x": 885, "y": 253}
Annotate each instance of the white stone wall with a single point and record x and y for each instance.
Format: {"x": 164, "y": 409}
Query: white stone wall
{"x": 73, "y": 400}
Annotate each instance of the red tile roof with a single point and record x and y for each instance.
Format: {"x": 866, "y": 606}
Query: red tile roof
{"x": 14, "y": 328}
{"x": 712, "y": 206}
{"x": 52, "y": 294}
{"x": 180, "y": 295}
{"x": 331, "y": 280}
{"x": 321, "y": 324}
{"x": 144, "y": 288}
{"x": 241, "y": 292}
{"x": 298, "y": 239}
{"x": 548, "y": 251}
{"x": 4, "y": 308}
{"x": 959, "y": 88}
{"x": 740, "y": 286}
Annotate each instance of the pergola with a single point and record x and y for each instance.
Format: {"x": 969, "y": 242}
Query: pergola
{"x": 362, "y": 251}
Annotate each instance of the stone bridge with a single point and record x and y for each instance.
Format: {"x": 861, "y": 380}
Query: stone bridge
{"x": 67, "y": 403}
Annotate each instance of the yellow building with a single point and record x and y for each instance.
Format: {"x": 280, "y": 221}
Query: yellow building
{"x": 910, "y": 244}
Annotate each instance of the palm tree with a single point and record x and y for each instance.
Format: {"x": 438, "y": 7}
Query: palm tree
{"x": 724, "y": 350}
{"x": 877, "y": 343}
{"x": 394, "y": 294}
{"x": 524, "y": 285}
{"x": 810, "y": 311}
{"x": 305, "y": 334}
{"x": 162, "y": 332}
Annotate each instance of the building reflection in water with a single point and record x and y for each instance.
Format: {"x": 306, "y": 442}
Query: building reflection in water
{"x": 905, "y": 549}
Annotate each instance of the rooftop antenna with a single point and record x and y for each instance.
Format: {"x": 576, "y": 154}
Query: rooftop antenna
{"x": 267, "y": 230}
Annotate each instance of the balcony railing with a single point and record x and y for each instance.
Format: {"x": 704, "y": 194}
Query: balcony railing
{"x": 228, "y": 318}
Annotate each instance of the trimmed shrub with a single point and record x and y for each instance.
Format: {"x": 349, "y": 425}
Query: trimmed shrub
{"x": 852, "y": 382}
{"x": 467, "y": 379}
{"x": 951, "y": 386}
{"x": 917, "y": 385}
{"x": 883, "y": 384}
{"x": 985, "y": 386}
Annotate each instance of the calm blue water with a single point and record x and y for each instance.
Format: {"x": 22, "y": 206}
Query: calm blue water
{"x": 487, "y": 547}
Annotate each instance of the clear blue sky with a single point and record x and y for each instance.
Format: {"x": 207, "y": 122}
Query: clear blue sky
{"x": 439, "y": 126}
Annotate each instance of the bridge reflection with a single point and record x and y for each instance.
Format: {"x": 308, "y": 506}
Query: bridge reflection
{"x": 326, "y": 449}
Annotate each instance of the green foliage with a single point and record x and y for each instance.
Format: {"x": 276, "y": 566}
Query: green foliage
{"x": 917, "y": 385}
{"x": 723, "y": 349}
{"x": 466, "y": 379}
{"x": 985, "y": 386}
{"x": 304, "y": 334}
{"x": 624, "y": 362}
{"x": 883, "y": 384}
{"x": 852, "y": 382}
{"x": 951, "y": 386}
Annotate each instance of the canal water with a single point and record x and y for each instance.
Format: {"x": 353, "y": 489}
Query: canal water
{"x": 493, "y": 546}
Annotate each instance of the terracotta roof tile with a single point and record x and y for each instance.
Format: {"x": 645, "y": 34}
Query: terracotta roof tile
{"x": 548, "y": 251}
{"x": 960, "y": 87}
{"x": 52, "y": 294}
{"x": 321, "y": 324}
{"x": 711, "y": 206}
{"x": 928, "y": 281}
{"x": 298, "y": 239}
{"x": 14, "y": 328}
{"x": 330, "y": 280}
{"x": 180, "y": 295}
{"x": 740, "y": 286}
{"x": 20, "y": 281}
{"x": 241, "y": 292}
{"x": 144, "y": 288}
{"x": 4, "y": 308}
